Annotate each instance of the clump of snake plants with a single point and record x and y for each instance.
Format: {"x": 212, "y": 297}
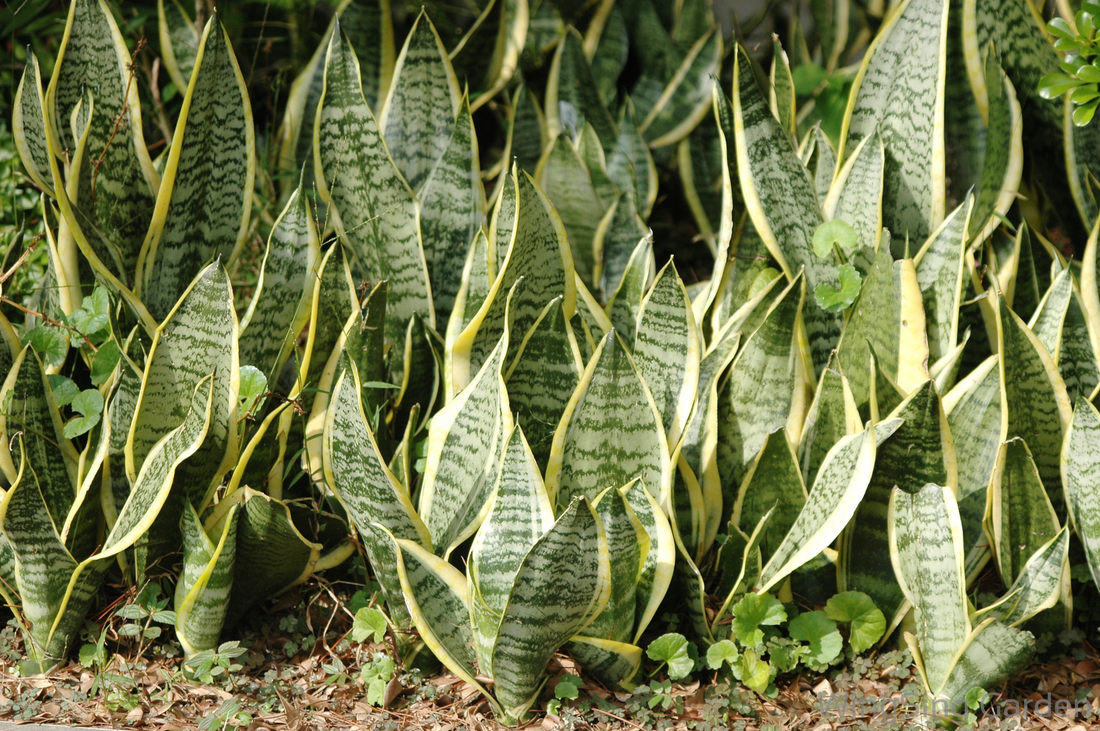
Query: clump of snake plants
{"x": 467, "y": 348}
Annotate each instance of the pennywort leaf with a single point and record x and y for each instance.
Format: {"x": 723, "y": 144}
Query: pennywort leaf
{"x": 753, "y": 612}
{"x": 723, "y": 651}
{"x": 672, "y": 648}
{"x": 369, "y": 622}
{"x": 89, "y": 404}
{"x": 833, "y": 299}
{"x": 867, "y": 622}
{"x": 834, "y": 233}
{"x": 821, "y": 633}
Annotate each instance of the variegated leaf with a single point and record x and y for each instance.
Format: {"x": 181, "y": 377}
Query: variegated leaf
{"x": 657, "y": 563}
{"x": 617, "y": 235}
{"x": 572, "y": 96}
{"x": 772, "y": 487}
{"x": 1048, "y": 318}
{"x": 612, "y": 662}
{"x": 630, "y": 164}
{"x": 478, "y": 274}
{"x": 628, "y": 547}
{"x": 1080, "y": 462}
{"x": 377, "y": 213}
{"x": 29, "y": 126}
{"x": 855, "y": 197}
{"x": 781, "y": 97}
{"x": 820, "y": 159}
{"x": 179, "y": 41}
{"x": 565, "y": 179}
{"x": 992, "y": 653}
{"x": 205, "y": 199}
{"x": 623, "y": 306}
{"x": 940, "y": 265}
{"x": 1038, "y": 587}
{"x": 1076, "y": 359}
{"x": 202, "y": 594}
{"x": 591, "y": 454}
{"x": 687, "y": 98}
{"x": 1019, "y": 517}
{"x": 527, "y": 135}
{"x": 1003, "y": 163}
{"x": 832, "y": 415}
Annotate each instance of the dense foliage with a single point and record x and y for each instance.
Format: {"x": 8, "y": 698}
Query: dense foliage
{"x": 444, "y": 300}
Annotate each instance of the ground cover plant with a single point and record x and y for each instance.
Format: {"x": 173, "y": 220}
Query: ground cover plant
{"x": 593, "y": 360}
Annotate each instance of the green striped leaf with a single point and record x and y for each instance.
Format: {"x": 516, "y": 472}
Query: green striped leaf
{"x": 1038, "y": 587}
{"x": 562, "y": 584}
{"x": 1080, "y": 462}
{"x": 920, "y": 452}
{"x": 899, "y": 92}
{"x": 781, "y": 201}
{"x": 377, "y": 211}
{"x": 890, "y": 294}
{"x": 114, "y": 219}
{"x": 198, "y": 337}
{"x": 202, "y": 594}
{"x": 926, "y": 548}
{"x": 356, "y": 472}
{"x": 820, "y": 159}
{"x": 591, "y": 323}
{"x": 477, "y": 278}
{"x": 772, "y": 487}
{"x": 502, "y": 223}
{"x": 565, "y": 179}
{"x": 1076, "y": 360}
{"x": 486, "y": 56}
{"x": 272, "y": 556}
{"x": 607, "y": 45}
{"x": 28, "y": 126}
{"x": 687, "y": 97}
{"x": 1049, "y": 316}
{"x": 28, "y": 408}
{"x": 781, "y": 97}
{"x": 543, "y": 378}
{"x": 617, "y": 235}
{"x": 832, "y": 415}
{"x": 630, "y": 164}
{"x": 465, "y": 440}
{"x": 452, "y": 210}
{"x": 768, "y": 363}
{"x": 1019, "y": 517}
{"x": 667, "y": 349}
{"x": 657, "y": 563}
{"x": 833, "y": 498}
{"x": 609, "y": 661}
{"x": 179, "y": 41}
{"x": 538, "y": 251}
{"x": 974, "y": 411}
{"x": 739, "y": 560}
{"x": 527, "y": 135}
{"x": 572, "y": 96}
{"x": 120, "y": 414}
{"x": 855, "y": 197}
{"x": 623, "y": 306}
{"x": 205, "y": 198}
{"x": 940, "y": 265}
{"x": 418, "y": 116}
{"x": 991, "y": 654}
{"x": 699, "y": 162}
{"x": 689, "y": 510}
{"x": 595, "y": 160}
{"x": 591, "y": 453}
{"x": 1034, "y": 401}
{"x": 1002, "y": 165}
{"x": 628, "y": 547}
{"x": 280, "y": 304}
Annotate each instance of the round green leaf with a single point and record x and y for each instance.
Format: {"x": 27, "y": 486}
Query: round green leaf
{"x": 821, "y": 633}
{"x": 753, "y": 612}
{"x": 672, "y": 648}
{"x": 858, "y": 610}
{"x": 836, "y": 232}
{"x": 720, "y": 652}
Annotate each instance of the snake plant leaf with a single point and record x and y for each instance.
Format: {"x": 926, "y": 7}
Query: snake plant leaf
{"x": 1047, "y": 320}
{"x": 465, "y": 439}
{"x": 689, "y": 510}
{"x": 452, "y": 210}
{"x": 781, "y": 201}
{"x": 564, "y": 581}
{"x": 572, "y": 96}
{"x": 1027, "y": 287}
{"x": 667, "y": 349}
{"x": 607, "y": 46}
{"x": 656, "y": 572}
{"x": 29, "y": 409}
{"x": 1002, "y": 166}
{"x": 202, "y": 594}
{"x": 538, "y": 252}
{"x": 890, "y": 294}
{"x": 855, "y": 197}
{"x": 519, "y": 515}
{"x": 940, "y": 265}
{"x": 781, "y": 97}
{"x": 623, "y": 306}
{"x": 565, "y": 179}
{"x": 628, "y": 547}
{"x": 820, "y": 158}
{"x": 833, "y": 498}
{"x": 1079, "y": 460}
{"x": 992, "y": 653}
{"x": 355, "y": 471}
{"x": 773, "y": 486}
{"x": 116, "y": 187}
{"x": 280, "y": 304}
{"x": 591, "y": 323}
{"x": 1030, "y": 377}
{"x": 272, "y": 555}
{"x": 926, "y": 548}
{"x": 609, "y": 661}
{"x": 28, "y": 125}
{"x": 766, "y": 363}
{"x": 481, "y": 58}
{"x": 974, "y": 413}
{"x": 832, "y": 415}
{"x": 1038, "y": 586}
{"x": 199, "y": 336}
{"x": 205, "y": 198}
{"x": 687, "y": 98}
{"x": 502, "y": 223}
{"x": 885, "y": 394}
{"x": 690, "y": 585}
{"x": 179, "y": 41}
{"x": 587, "y": 457}
{"x": 401, "y": 462}
{"x": 739, "y": 560}
{"x": 477, "y": 278}
{"x": 1019, "y": 517}
{"x": 592, "y": 154}
{"x": 920, "y": 452}
{"x": 630, "y": 164}
{"x": 120, "y": 413}
{"x": 527, "y": 135}
{"x": 421, "y": 380}
{"x": 543, "y": 377}
{"x": 887, "y": 91}
{"x": 616, "y": 237}
{"x": 377, "y": 211}
{"x": 699, "y": 162}
{"x": 423, "y": 100}
{"x": 1076, "y": 359}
